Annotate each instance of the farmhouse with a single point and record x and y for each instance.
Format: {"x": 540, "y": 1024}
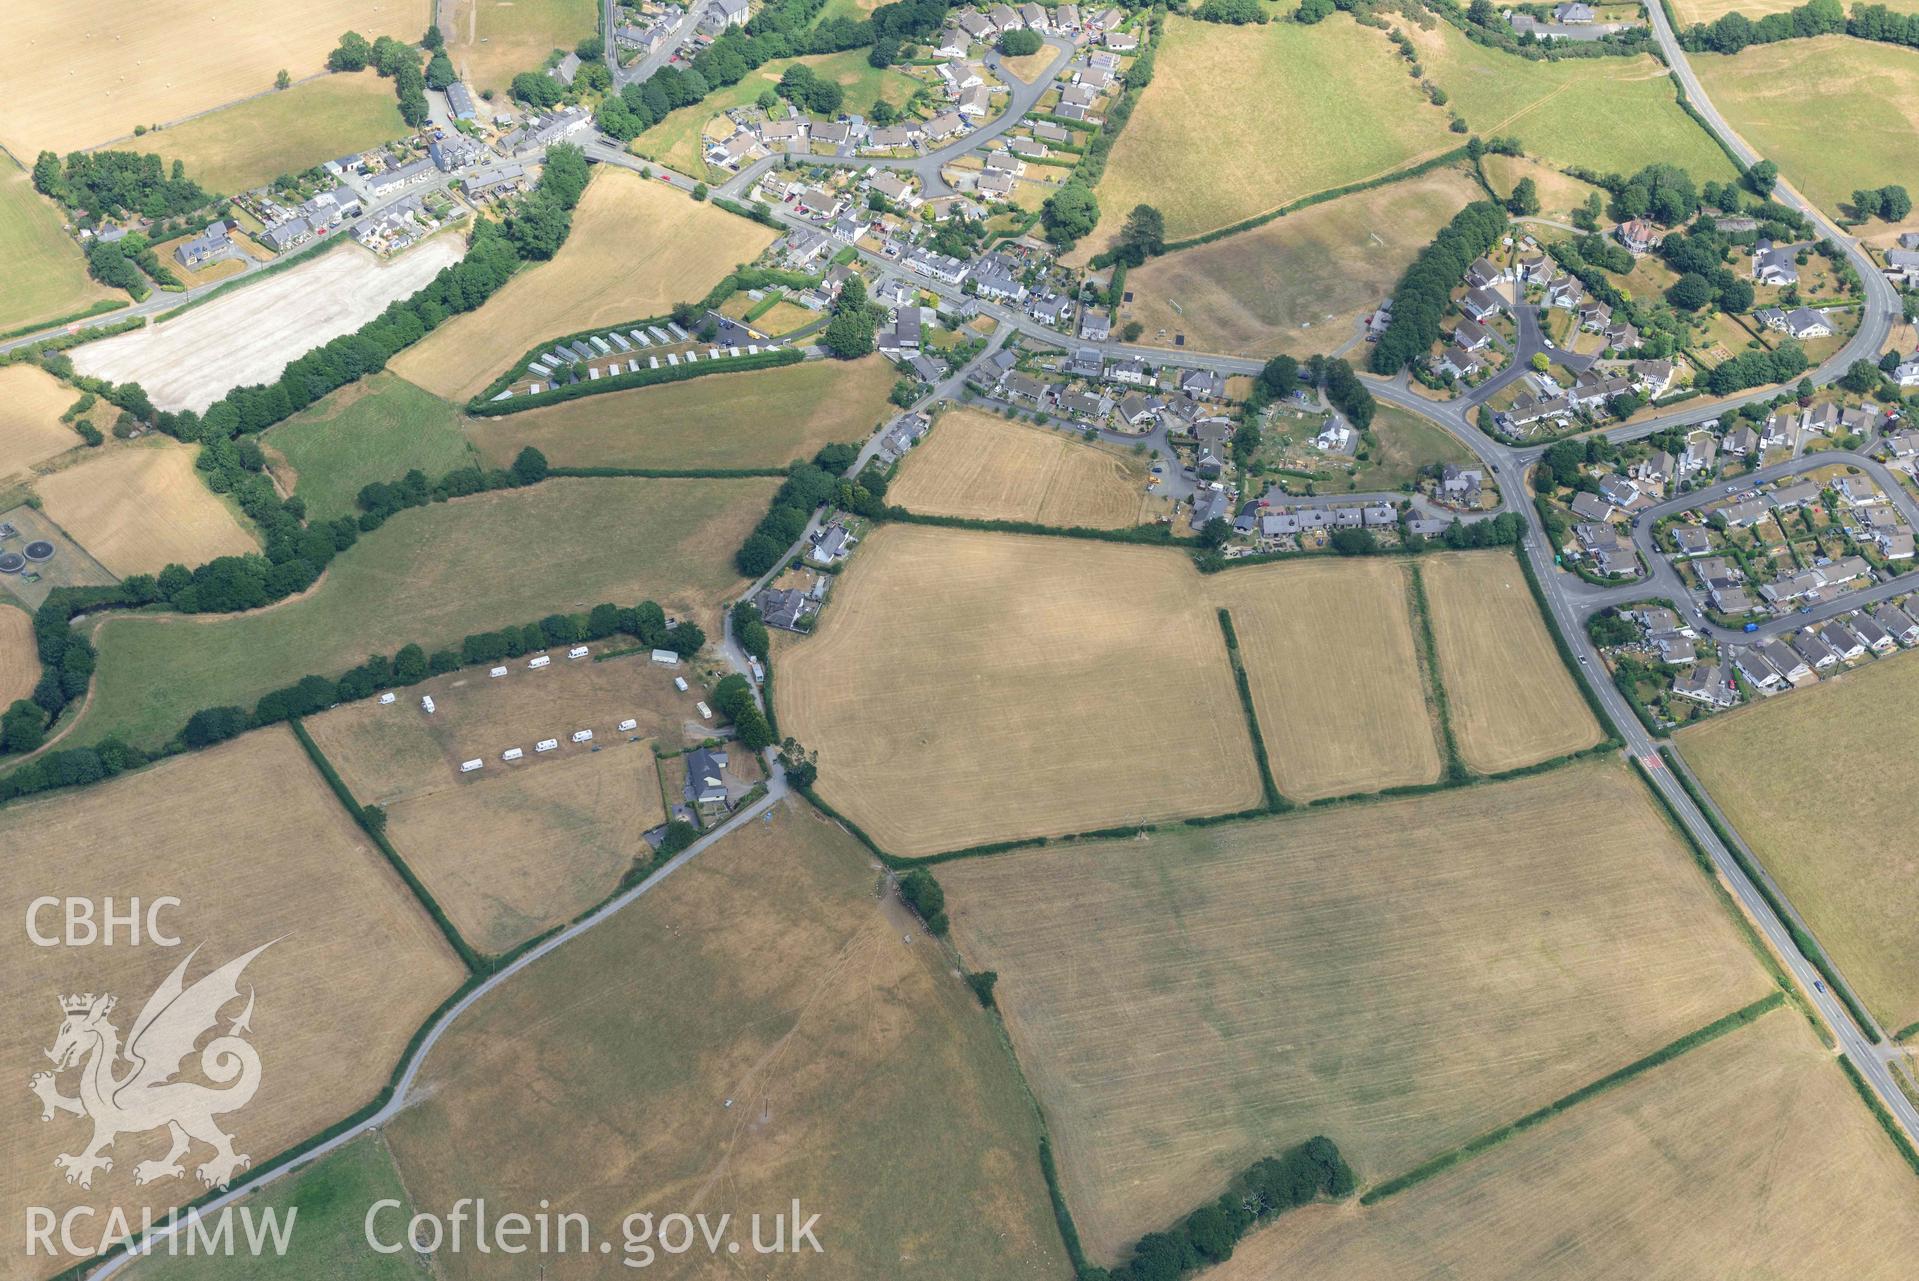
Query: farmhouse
{"x": 1639, "y": 235}
{"x": 204, "y": 248}
{"x": 1775, "y": 264}
{"x": 705, "y": 789}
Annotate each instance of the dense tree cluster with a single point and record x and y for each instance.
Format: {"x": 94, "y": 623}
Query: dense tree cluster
{"x": 1699, "y": 257}
{"x": 113, "y": 184}
{"x": 1344, "y": 391}
{"x": 1664, "y": 193}
{"x": 1269, "y": 1188}
{"x": 1891, "y": 202}
{"x": 1735, "y": 31}
{"x": 1141, "y": 236}
{"x": 733, "y": 698}
{"x": 1069, "y": 214}
{"x": 1757, "y": 368}
{"x": 806, "y": 487}
{"x": 1020, "y": 43}
{"x": 923, "y": 894}
{"x": 1425, "y": 291}
{"x": 849, "y": 334}
{"x": 1235, "y": 12}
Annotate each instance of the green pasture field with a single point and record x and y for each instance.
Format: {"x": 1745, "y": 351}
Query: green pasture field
{"x": 45, "y": 275}
{"x": 373, "y": 430}
{"x": 251, "y": 143}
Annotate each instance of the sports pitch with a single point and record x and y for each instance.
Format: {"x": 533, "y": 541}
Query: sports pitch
{"x": 1399, "y": 976}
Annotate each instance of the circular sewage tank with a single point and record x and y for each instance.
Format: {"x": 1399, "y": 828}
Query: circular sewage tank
{"x": 12, "y": 562}
{"x": 39, "y": 550}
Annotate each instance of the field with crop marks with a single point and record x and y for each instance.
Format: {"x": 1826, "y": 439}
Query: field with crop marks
{"x": 1836, "y": 838}
{"x": 46, "y": 274}
{"x": 250, "y": 840}
{"x": 1833, "y": 113}
{"x": 517, "y": 846}
{"x": 980, "y": 465}
{"x": 31, "y": 402}
{"x": 1512, "y": 700}
{"x": 432, "y": 575}
{"x": 84, "y": 72}
{"x": 139, "y": 508}
{"x": 762, "y": 418}
{"x": 251, "y": 143}
{"x": 1240, "y": 120}
{"x": 1050, "y": 685}
{"x": 1748, "y": 1156}
{"x": 1399, "y": 976}
{"x": 491, "y": 41}
{"x": 1300, "y": 283}
{"x": 1328, "y": 649}
{"x": 1610, "y": 115}
{"x": 376, "y": 429}
{"x": 248, "y": 336}
{"x": 603, "y": 275}
{"x": 19, "y": 655}
{"x": 756, "y": 1029}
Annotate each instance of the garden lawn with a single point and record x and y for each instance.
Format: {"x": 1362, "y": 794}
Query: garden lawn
{"x": 251, "y": 143}
{"x": 1609, "y": 115}
{"x": 1241, "y": 120}
{"x": 373, "y": 430}
{"x": 433, "y": 575}
{"x": 1833, "y": 113}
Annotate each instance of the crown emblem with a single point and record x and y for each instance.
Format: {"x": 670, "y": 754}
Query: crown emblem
{"x": 81, "y": 1004}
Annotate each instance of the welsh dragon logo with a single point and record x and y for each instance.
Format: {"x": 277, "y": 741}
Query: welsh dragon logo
{"x": 143, "y": 1095}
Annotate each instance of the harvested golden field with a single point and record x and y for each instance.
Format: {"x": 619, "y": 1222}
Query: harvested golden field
{"x": 1688, "y": 12}
{"x": 1512, "y": 700}
{"x": 258, "y": 851}
{"x": 84, "y": 72}
{"x": 1241, "y": 120}
{"x": 1050, "y": 685}
{"x": 980, "y": 465}
{"x": 491, "y": 41}
{"x": 1835, "y": 836}
{"x": 31, "y": 402}
{"x": 517, "y": 846}
{"x": 1328, "y": 649}
{"x": 140, "y": 508}
{"x": 604, "y": 274}
{"x": 19, "y": 655}
{"x": 1301, "y": 283}
{"x": 251, "y": 143}
{"x": 1398, "y": 976}
{"x": 1749, "y": 1156}
{"x": 753, "y": 1031}
{"x": 763, "y": 418}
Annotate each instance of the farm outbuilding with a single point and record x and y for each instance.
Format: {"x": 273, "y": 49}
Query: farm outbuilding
{"x": 666, "y": 658}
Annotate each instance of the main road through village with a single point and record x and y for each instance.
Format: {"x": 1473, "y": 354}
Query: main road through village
{"x": 1569, "y": 600}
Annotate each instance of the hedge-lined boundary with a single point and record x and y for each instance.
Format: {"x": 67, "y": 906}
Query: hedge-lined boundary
{"x": 1905, "y": 1032}
{"x": 1062, "y": 1215}
{"x": 1692, "y": 1040}
{"x": 1573, "y": 665}
{"x": 1879, "y": 1113}
{"x": 638, "y": 378}
{"x": 1801, "y": 938}
{"x": 1450, "y": 766}
{"x": 666, "y": 473}
{"x": 1685, "y": 105}
{"x": 475, "y": 963}
{"x": 1275, "y": 802}
{"x": 100, "y": 308}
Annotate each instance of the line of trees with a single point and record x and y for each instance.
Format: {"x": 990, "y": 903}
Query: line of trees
{"x": 1425, "y": 291}
{"x": 802, "y": 493}
{"x": 112, "y": 184}
{"x": 733, "y": 697}
{"x": 394, "y": 60}
{"x": 1268, "y": 1188}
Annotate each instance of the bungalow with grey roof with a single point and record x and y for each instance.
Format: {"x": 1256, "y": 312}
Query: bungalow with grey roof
{"x": 1482, "y": 304}
{"x": 1707, "y": 683}
{"x": 204, "y": 248}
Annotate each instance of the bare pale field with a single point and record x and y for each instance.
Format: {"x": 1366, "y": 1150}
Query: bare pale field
{"x": 1559, "y": 194}
{"x": 603, "y": 275}
{"x": 1747, "y": 1157}
{"x": 1398, "y": 976}
{"x": 1240, "y": 120}
{"x": 431, "y": 575}
{"x": 31, "y": 402}
{"x": 19, "y": 655}
{"x": 250, "y": 335}
{"x": 258, "y": 850}
{"x": 520, "y": 846}
{"x": 251, "y": 143}
{"x": 1833, "y": 112}
{"x": 756, "y": 1029}
{"x": 1836, "y": 837}
{"x": 491, "y": 41}
{"x": 764, "y": 418}
{"x": 46, "y": 274}
{"x": 1512, "y": 700}
{"x": 142, "y": 507}
{"x": 1301, "y": 283}
{"x": 85, "y": 71}
{"x": 1328, "y": 649}
{"x": 982, "y": 466}
{"x": 1050, "y": 685}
